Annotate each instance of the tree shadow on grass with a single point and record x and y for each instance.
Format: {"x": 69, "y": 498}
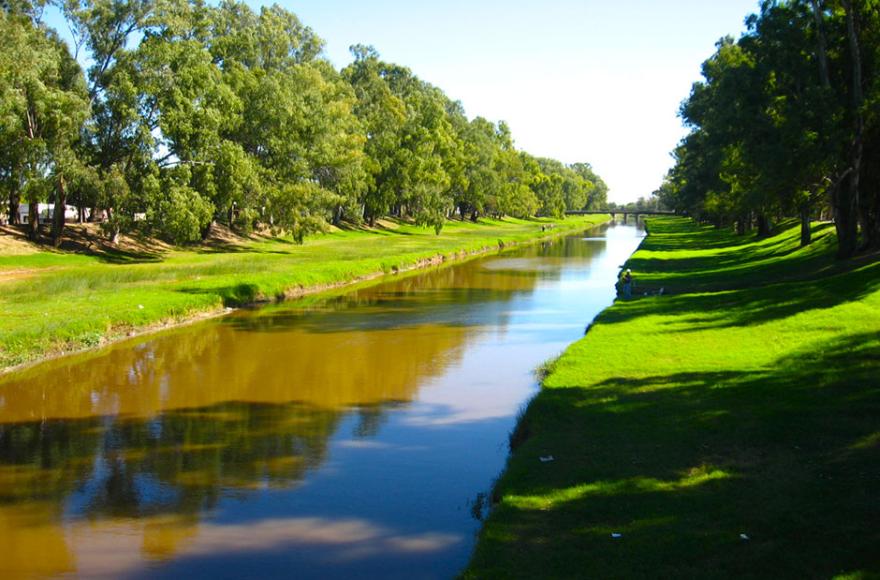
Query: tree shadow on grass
{"x": 87, "y": 240}
{"x": 769, "y": 287}
{"x": 682, "y": 234}
{"x": 232, "y": 296}
{"x": 739, "y": 266}
{"x": 138, "y": 251}
{"x": 696, "y": 312}
{"x": 225, "y": 248}
{"x": 683, "y": 464}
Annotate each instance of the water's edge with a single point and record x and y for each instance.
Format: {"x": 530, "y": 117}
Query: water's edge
{"x": 519, "y": 432}
{"x": 172, "y": 322}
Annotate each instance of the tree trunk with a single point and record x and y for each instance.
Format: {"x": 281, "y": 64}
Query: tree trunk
{"x": 741, "y": 225}
{"x": 806, "y": 233}
{"x": 475, "y": 216}
{"x": 869, "y": 205}
{"x": 845, "y": 219}
{"x": 34, "y": 221}
{"x": 821, "y": 51}
{"x": 114, "y": 228}
{"x": 870, "y": 184}
{"x": 846, "y": 209}
{"x": 206, "y": 230}
{"x": 60, "y": 210}
{"x": 14, "y": 202}
{"x": 763, "y": 226}
{"x": 843, "y": 196}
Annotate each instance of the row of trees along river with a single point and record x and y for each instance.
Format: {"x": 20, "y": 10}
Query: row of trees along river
{"x": 786, "y": 122}
{"x": 190, "y": 113}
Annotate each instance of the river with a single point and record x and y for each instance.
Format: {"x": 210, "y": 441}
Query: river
{"x": 347, "y": 435}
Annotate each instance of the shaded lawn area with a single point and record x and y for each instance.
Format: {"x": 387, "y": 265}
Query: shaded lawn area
{"x": 61, "y": 301}
{"x": 746, "y": 402}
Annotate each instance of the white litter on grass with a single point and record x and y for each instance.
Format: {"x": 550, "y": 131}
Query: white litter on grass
{"x": 140, "y": 306}
{"x": 546, "y": 458}
{"x": 616, "y": 535}
{"x": 743, "y": 537}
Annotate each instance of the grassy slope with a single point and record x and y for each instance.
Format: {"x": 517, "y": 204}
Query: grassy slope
{"x": 63, "y": 301}
{"x": 745, "y": 401}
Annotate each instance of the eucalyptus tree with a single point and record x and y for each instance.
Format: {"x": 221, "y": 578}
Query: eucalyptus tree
{"x": 870, "y": 180}
{"x": 382, "y": 115}
{"x": 517, "y": 197}
{"x": 298, "y": 124}
{"x": 414, "y": 153}
{"x": 43, "y": 106}
{"x": 298, "y": 133}
{"x": 596, "y": 188}
{"x": 575, "y": 190}
{"x": 797, "y": 153}
{"x": 119, "y": 135}
{"x": 783, "y": 121}
{"x": 193, "y": 113}
{"x": 192, "y": 107}
{"x": 483, "y": 181}
{"x": 458, "y": 156}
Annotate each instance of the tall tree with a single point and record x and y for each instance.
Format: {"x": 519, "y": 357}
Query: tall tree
{"x": 44, "y": 106}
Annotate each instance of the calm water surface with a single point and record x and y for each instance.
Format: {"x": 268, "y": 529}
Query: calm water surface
{"x": 352, "y": 435}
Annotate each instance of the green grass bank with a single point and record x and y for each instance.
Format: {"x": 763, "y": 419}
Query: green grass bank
{"x": 58, "y": 302}
{"x": 728, "y": 428}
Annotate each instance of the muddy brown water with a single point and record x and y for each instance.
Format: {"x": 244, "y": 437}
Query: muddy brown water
{"x": 353, "y": 435}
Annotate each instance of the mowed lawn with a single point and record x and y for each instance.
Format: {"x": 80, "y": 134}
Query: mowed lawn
{"x": 727, "y": 428}
{"x": 61, "y": 301}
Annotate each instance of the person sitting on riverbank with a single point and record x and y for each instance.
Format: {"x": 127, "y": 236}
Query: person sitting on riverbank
{"x": 627, "y": 284}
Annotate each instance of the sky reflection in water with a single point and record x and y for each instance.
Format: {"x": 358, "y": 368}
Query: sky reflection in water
{"x": 327, "y": 437}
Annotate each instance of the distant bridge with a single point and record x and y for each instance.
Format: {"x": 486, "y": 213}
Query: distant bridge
{"x": 624, "y": 212}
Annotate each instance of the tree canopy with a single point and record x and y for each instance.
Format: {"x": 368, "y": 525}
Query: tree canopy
{"x": 785, "y": 122}
{"x": 191, "y": 114}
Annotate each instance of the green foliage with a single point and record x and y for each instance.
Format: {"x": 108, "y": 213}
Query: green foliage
{"x": 779, "y": 125}
{"x": 197, "y": 108}
{"x": 43, "y": 104}
{"x": 181, "y": 215}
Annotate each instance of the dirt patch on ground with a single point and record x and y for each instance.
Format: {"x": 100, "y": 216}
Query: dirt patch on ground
{"x": 15, "y": 275}
{"x": 14, "y": 243}
{"x": 89, "y": 239}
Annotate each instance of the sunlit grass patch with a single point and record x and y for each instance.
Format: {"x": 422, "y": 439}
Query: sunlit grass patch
{"x": 71, "y": 301}
{"x": 759, "y": 365}
{"x": 636, "y": 485}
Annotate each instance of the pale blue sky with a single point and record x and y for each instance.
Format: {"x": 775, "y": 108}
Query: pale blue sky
{"x": 588, "y": 80}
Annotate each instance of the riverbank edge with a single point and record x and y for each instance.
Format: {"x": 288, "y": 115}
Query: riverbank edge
{"x": 520, "y": 432}
{"x": 490, "y": 562}
{"x": 122, "y": 333}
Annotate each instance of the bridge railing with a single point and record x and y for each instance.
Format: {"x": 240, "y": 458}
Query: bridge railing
{"x": 617, "y": 211}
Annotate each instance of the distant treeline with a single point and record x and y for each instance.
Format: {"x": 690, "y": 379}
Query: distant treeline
{"x": 190, "y": 114}
{"x": 652, "y": 203}
{"x": 787, "y": 122}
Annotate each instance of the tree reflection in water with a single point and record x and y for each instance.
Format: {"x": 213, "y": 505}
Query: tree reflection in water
{"x": 153, "y": 434}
